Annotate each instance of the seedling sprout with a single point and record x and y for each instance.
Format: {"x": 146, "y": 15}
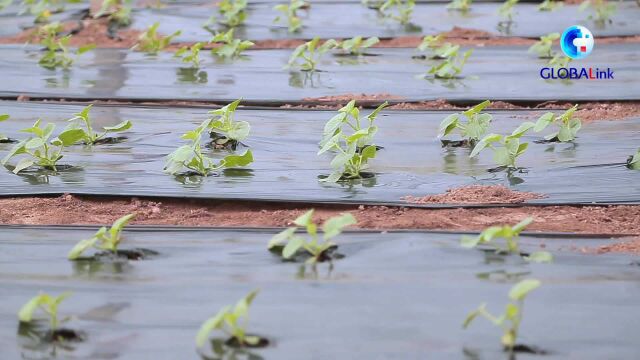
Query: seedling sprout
{"x": 233, "y": 13}
{"x": 225, "y": 129}
{"x": 357, "y": 45}
{"x": 559, "y": 61}
{"x": 544, "y": 47}
{"x": 569, "y": 125}
{"x": 190, "y": 54}
{"x": 57, "y": 53}
{"x": 437, "y": 48}
{"x": 511, "y": 319}
{"x": 633, "y": 162}
{"x": 506, "y": 11}
{"x": 49, "y": 305}
{"x": 81, "y": 123}
{"x": 348, "y": 123}
{"x": 399, "y": 10}
{"x": 290, "y": 13}
{"x": 603, "y": 10}
{"x": 312, "y": 245}
{"x": 151, "y": 42}
{"x": 233, "y": 321}
{"x": 510, "y": 235}
{"x": 307, "y": 55}
{"x": 506, "y": 148}
{"x": 39, "y": 150}
{"x": 105, "y": 239}
{"x": 549, "y": 5}
{"x": 460, "y": 5}
{"x": 476, "y": 126}
{"x": 451, "y": 67}
{"x": 228, "y": 47}
{"x": 119, "y": 11}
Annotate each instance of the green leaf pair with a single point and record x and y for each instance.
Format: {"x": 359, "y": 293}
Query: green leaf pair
{"x": 119, "y": 11}
{"x": 222, "y": 121}
{"x": 452, "y": 66}
{"x": 103, "y": 239}
{"x": 151, "y": 42}
{"x": 232, "y": 321}
{"x": 190, "y": 54}
{"x": 460, "y": 5}
{"x": 549, "y": 5}
{"x": 633, "y": 162}
{"x": 398, "y": 10}
{"x": 544, "y": 47}
{"x": 57, "y": 53}
{"x": 506, "y": 149}
{"x": 307, "y": 55}
{"x": 48, "y": 304}
{"x": 312, "y": 245}
{"x": 228, "y": 47}
{"x": 357, "y": 45}
{"x": 437, "y": 48}
{"x": 290, "y": 13}
{"x": 569, "y": 126}
{"x": 233, "y": 13}
{"x": 87, "y": 135}
{"x": 476, "y": 126}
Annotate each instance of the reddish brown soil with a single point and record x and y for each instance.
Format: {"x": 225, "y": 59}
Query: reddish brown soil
{"x": 71, "y": 210}
{"x": 92, "y": 31}
{"x": 627, "y": 246}
{"x": 477, "y": 194}
{"x": 357, "y": 97}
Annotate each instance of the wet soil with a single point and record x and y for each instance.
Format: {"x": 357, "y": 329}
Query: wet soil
{"x": 477, "y": 194}
{"x": 72, "y": 210}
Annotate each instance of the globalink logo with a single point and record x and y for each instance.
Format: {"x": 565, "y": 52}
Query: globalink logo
{"x": 577, "y": 43}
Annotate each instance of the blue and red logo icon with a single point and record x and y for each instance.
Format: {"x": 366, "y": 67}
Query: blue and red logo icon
{"x": 577, "y": 42}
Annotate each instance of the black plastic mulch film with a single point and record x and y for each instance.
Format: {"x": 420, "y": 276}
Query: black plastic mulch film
{"x": 420, "y": 286}
{"x": 259, "y": 77}
{"x": 286, "y": 167}
{"x": 347, "y": 19}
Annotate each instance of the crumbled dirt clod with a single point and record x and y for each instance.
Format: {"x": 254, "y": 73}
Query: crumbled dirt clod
{"x": 357, "y": 97}
{"x": 477, "y": 194}
{"x": 627, "y": 246}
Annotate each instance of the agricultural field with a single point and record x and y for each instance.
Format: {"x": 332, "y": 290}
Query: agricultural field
{"x": 273, "y": 179}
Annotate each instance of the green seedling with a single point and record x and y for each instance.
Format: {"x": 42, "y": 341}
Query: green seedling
{"x": 451, "y": 67}
{"x": 633, "y": 162}
{"x": 40, "y": 151}
{"x": 81, "y": 123}
{"x": 105, "y": 240}
{"x": 233, "y": 13}
{"x": 460, "y": 5}
{"x": 228, "y": 47}
{"x": 559, "y": 61}
{"x": 290, "y": 13}
{"x": 506, "y": 148}
{"x": 191, "y": 158}
{"x": 119, "y": 11}
{"x": 190, "y": 54}
{"x": 438, "y": 48}
{"x": 506, "y": 10}
{"x": 307, "y": 55}
{"x": 312, "y": 245}
{"x": 549, "y": 5}
{"x": 3, "y": 117}
{"x": 225, "y": 129}
{"x": 603, "y": 10}
{"x": 398, "y": 10}
{"x": 57, "y": 53}
{"x": 41, "y": 9}
{"x": 510, "y": 235}
{"x": 347, "y": 123}
{"x": 49, "y": 305}
{"x": 233, "y": 321}
{"x": 357, "y": 45}
{"x": 569, "y": 126}
{"x": 350, "y": 161}
{"x": 511, "y": 319}
{"x": 476, "y": 126}
{"x": 544, "y": 47}
{"x": 151, "y": 42}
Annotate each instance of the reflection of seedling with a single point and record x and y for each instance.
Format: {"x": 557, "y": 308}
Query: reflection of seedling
{"x": 225, "y": 129}
{"x": 290, "y": 12}
{"x": 107, "y": 240}
{"x": 190, "y": 54}
{"x": 191, "y": 158}
{"x": 510, "y": 320}
{"x": 49, "y": 305}
{"x": 316, "y": 248}
{"x": 40, "y": 151}
{"x": 559, "y": 61}
{"x": 603, "y": 10}
{"x": 357, "y": 45}
{"x": 549, "y": 5}
{"x": 506, "y": 11}
{"x": 151, "y": 42}
{"x": 438, "y": 49}
{"x": 228, "y": 47}
{"x": 347, "y": 118}
{"x": 310, "y": 53}
{"x": 451, "y": 67}
{"x": 544, "y": 47}
{"x": 233, "y": 13}
{"x": 57, "y": 53}
{"x": 569, "y": 126}
{"x": 399, "y": 10}
{"x": 633, "y": 162}
{"x": 3, "y": 117}
{"x": 232, "y": 321}
{"x": 509, "y": 147}
{"x": 510, "y": 234}
{"x": 90, "y": 137}
{"x": 460, "y": 5}
{"x": 476, "y": 126}
{"x": 119, "y": 11}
